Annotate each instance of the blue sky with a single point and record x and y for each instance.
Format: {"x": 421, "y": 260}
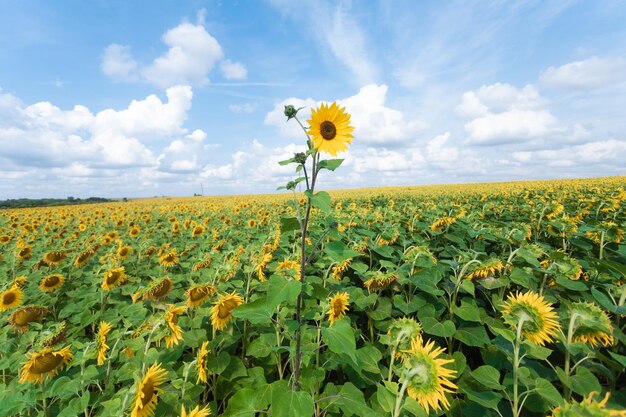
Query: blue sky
{"x": 119, "y": 98}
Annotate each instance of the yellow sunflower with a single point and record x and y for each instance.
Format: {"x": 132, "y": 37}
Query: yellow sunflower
{"x": 53, "y": 258}
{"x": 20, "y": 318}
{"x": 339, "y": 269}
{"x": 260, "y": 268}
{"x": 43, "y": 363}
{"x": 198, "y": 294}
{"x": 25, "y": 252}
{"x": 101, "y": 342}
{"x": 380, "y": 281}
{"x": 201, "y": 362}
{"x": 339, "y": 304}
{"x": 51, "y": 282}
{"x": 197, "y": 231}
{"x": 148, "y": 391}
{"x": 124, "y": 251}
{"x": 11, "y": 298}
{"x": 196, "y": 412}
{"x": 175, "y": 332}
{"x": 19, "y": 282}
{"x": 82, "y": 258}
{"x": 156, "y": 291}
{"x": 134, "y": 232}
{"x": 5, "y": 239}
{"x": 330, "y": 128}
{"x": 588, "y": 407}
{"x": 169, "y": 259}
{"x": 428, "y": 379}
{"x": 591, "y": 325}
{"x": 287, "y": 266}
{"x": 486, "y": 269}
{"x": 539, "y": 320}
{"x": 221, "y": 311}
{"x": 113, "y": 278}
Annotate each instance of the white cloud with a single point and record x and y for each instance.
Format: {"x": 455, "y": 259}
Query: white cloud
{"x": 590, "y": 73}
{"x": 233, "y": 70}
{"x": 188, "y": 154}
{"x": 118, "y": 63}
{"x": 374, "y": 122}
{"x": 243, "y": 108}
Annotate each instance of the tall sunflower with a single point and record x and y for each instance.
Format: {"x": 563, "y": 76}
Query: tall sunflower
{"x": 198, "y": 294}
{"x": 330, "y": 128}
{"x": 201, "y": 362}
{"x": 539, "y": 320}
{"x": 221, "y": 311}
{"x": 591, "y": 324}
{"x": 196, "y": 412}
{"x": 339, "y": 304}
{"x": 51, "y": 283}
{"x": 101, "y": 342}
{"x": 148, "y": 391}
{"x": 175, "y": 332}
{"x": 43, "y": 363}
{"x": 113, "y": 278}
{"x": 428, "y": 379}
{"x": 53, "y": 258}
{"x": 11, "y": 298}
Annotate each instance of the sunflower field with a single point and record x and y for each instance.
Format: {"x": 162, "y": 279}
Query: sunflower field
{"x": 493, "y": 300}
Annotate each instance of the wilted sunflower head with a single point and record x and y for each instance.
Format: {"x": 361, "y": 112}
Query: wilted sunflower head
{"x": 486, "y": 269}
{"x": 51, "y": 283}
{"x": 101, "y": 342}
{"x": 53, "y": 336}
{"x": 380, "y": 280}
{"x": 338, "y": 305}
{"x": 401, "y": 332}
{"x": 588, "y": 407}
{"x": 202, "y": 362}
{"x": 169, "y": 259}
{"x": 43, "y": 363}
{"x": 536, "y": 315}
{"x": 221, "y": 311}
{"x": 330, "y": 128}
{"x": 198, "y": 294}
{"x": 590, "y": 324}
{"x": 428, "y": 379}
{"x": 11, "y": 298}
{"x": 113, "y": 278}
{"x": 148, "y": 391}
{"x": 53, "y": 258}
{"x": 158, "y": 290}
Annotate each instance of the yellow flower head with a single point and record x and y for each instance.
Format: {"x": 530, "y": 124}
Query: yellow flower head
{"x": 53, "y": 258}
{"x": 25, "y": 252}
{"x": 339, "y": 304}
{"x": 21, "y": 318}
{"x": 221, "y": 311}
{"x": 196, "y": 412}
{"x": 43, "y": 363}
{"x": 101, "y": 342}
{"x": 201, "y": 362}
{"x": 486, "y": 269}
{"x": 339, "y": 269}
{"x": 82, "y": 258}
{"x": 113, "y": 278}
{"x": 11, "y": 298}
{"x": 588, "y": 407}
{"x": 287, "y": 266}
{"x": 175, "y": 332}
{"x": 169, "y": 259}
{"x": 51, "y": 282}
{"x": 538, "y": 318}
{"x": 591, "y": 324}
{"x": 124, "y": 251}
{"x": 427, "y": 377}
{"x": 198, "y": 294}
{"x": 380, "y": 280}
{"x": 148, "y": 391}
{"x": 330, "y": 129}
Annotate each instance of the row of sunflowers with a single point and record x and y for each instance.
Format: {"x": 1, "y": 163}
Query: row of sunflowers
{"x": 475, "y": 300}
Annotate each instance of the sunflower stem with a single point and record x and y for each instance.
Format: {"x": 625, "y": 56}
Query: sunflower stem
{"x": 393, "y": 357}
{"x": 400, "y": 397}
{"x": 516, "y": 363}
{"x": 570, "y": 334}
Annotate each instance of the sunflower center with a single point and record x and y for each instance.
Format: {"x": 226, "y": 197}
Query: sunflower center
{"x": 112, "y": 277}
{"x": 328, "y": 130}
{"x": 46, "y": 363}
{"x": 162, "y": 289}
{"x": 148, "y": 391}
{"x": 52, "y": 281}
{"x": 197, "y": 294}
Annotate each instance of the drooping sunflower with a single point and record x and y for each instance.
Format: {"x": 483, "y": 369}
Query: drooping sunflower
{"x": 196, "y": 412}
{"x": 25, "y": 252}
{"x": 442, "y": 222}
{"x": 113, "y": 278}
{"x": 157, "y": 290}
{"x": 21, "y": 318}
{"x": 11, "y": 298}
{"x": 54, "y": 336}
{"x": 43, "y": 363}
{"x": 339, "y": 269}
{"x": 486, "y": 269}
{"x": 124, "y": 251}
{"x": 591, "y": 324}
{"x": 330, "y": 128}
{"x": 290, "y": 267}
{"x": 380, "y": 280}
{"x": 203, "y": 264}
{"x": 198, "y": 230}
{"x": 221, "y": 311}
{"x": 148, "y": 391}
{"x": 82, "y": 258}
{"x": 339, "y": 304}
{"x": 201, "y": 362}
{"x": 53, "y": 258}
{"x": 169, "y": 259}
{"x": 175, "y": 332}
{"x": 428, "y": 378}
{"x": 539, "y": 320}
{"x": 260, "y": 267}
{"x": 198, "y": 294}
{"x": 101, "y": 341}
{"x": 401, "y": 332}
{"x": 51, "y": 283}
{"x": 588, "y": 407}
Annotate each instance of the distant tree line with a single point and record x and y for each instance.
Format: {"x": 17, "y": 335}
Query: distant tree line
{"x": 48, "y": 202}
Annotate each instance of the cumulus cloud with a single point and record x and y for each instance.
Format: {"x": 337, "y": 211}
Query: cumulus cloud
{"x": 243, "y": 108}
{"x": 187, "y": 154}
{"x": 191, "y": 56}
{"x": 590, "y": 73}
{"x": 374, "y": 121}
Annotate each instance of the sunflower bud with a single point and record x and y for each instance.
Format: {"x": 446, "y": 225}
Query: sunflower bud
{"x": 291, "y": 185}
{"x": 300, "y": 157}
{"x": 290, "y": 111}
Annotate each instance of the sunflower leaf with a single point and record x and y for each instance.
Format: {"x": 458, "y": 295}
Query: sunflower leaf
{"x": 330, "y": 164}
{"x": 340, "y": 339}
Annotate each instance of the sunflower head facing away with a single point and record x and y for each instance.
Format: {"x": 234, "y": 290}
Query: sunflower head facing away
{"x": 148, "y": 391}
{"x": 401, "y": 332}
{"x": 428, "y": 378}
{"x": 202, "y": 362}
{"x": 11, "y": 298}
{"x": 330, "y": 128}
{"x": 101, "y": 342}
{"x": 536, "y": 315}
{"x": 43, "y": 363}
{"x": 339, "y": 304}
{"x": 221, "y": 311}
{"x": 21, "y": 318}
{"x": 591, "y": 325}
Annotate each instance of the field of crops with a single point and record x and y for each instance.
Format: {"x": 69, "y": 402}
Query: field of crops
{"x": 467, "y": 300}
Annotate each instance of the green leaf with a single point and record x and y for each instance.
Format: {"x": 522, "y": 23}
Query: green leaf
{"x": 281, "y": 290}
{"x": 584, "y": 382}
{"x": 386, "y": 399}
{"x": 487, "y": 399}
{"x": 289, "y": 224}
{"x": 606, "y": 302}
{"x": 472, "y": 336}
{"x": 320, "y": 200}
{"x": 571, "y": 285}
{"x": 547, "y": 391}
{"x": 288, "y": 403}
{"x": 330, "y": 164}
{"x": 488, "y": 376}
{"x": 245, "y": 402}
{"x": 523, "y": 277}
{"x": 352, "y": 402}
{"x": 340, "y": 339}
{"x": 434, "y": 327}
{"x": 468, "y": 311}
{"x": 339, "y": 252}
{"x": 620, "y": 358}
{"x": 256, "y": 312}
{"x": 287, "y": 161}
{"x": 369, "y": 358}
